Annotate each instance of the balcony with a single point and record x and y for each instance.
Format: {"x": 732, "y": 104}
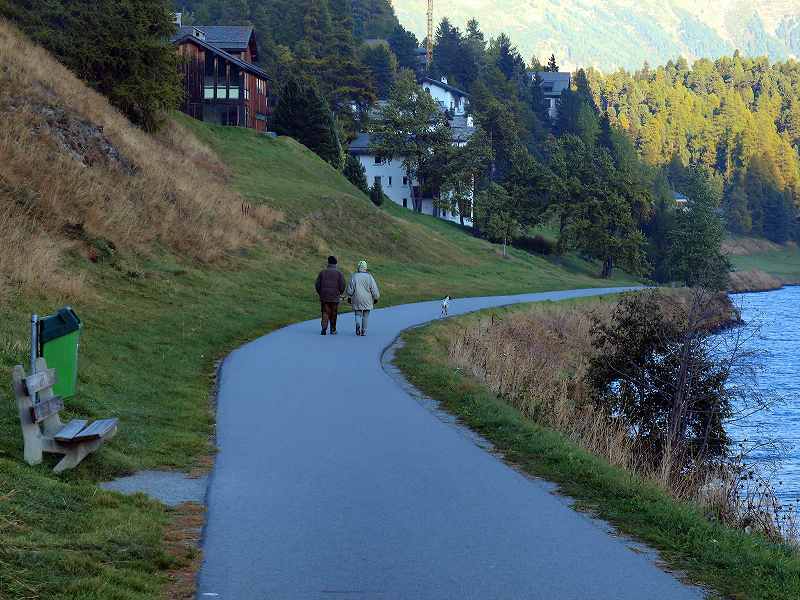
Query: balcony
{"x": 222, "y": 93}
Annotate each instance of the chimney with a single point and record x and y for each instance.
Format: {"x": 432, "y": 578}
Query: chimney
{"x": 178, "y": 19}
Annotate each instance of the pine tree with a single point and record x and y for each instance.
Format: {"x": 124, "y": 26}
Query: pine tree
{"x": 382, "y": 64}
{"x": 355, "y": 173}
{"x": 404, "y": 44}
{"x": 552, "y": 65}
{"x": 303, "y": 114}
{"x": 376, "y": 193}
{"x": 119, "y": 47}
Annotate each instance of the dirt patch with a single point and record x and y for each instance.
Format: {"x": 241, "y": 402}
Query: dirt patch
{"x": 82, "y": 140}
{"x": 182, "y": 540}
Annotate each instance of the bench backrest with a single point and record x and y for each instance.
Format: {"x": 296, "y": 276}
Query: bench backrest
{"x": 35, "y": 396}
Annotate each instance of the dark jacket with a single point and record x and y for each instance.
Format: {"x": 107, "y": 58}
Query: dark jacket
{"x": 330, "y": 284}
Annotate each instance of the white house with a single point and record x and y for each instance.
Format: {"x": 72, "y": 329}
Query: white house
{"x": 447, "y": 96}
{"x": 392, "y": 175}
{"x": 553, "y": 85}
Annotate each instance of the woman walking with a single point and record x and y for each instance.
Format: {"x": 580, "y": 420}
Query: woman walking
{"x": 363, "y": 294}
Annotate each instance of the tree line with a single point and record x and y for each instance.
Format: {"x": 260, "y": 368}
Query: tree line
{"x": 737, "y": 116}
{"x": 725, "y": 133}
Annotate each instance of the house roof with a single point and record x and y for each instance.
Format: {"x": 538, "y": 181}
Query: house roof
{"x": 461, "y": 129}
{"x": 559, "y": 81}
{"x": 360, "y": 145}
{"x": 678, "y": 197}
{"x": 445, "y": 86}
{"x": 246, "y": 66}
{"x": 233, "y": 38}
{"x": 228, "y": 37}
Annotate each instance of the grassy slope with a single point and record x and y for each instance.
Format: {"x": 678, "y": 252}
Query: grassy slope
{"x": 153, "y": 334}
{"x": 735, "y": 564}
{"x": 784, "y": 264}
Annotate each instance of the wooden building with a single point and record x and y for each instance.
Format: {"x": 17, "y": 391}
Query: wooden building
{"x": 221, "y": 83}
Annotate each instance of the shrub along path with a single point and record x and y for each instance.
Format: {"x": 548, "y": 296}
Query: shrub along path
{"x": 331, "y": 481}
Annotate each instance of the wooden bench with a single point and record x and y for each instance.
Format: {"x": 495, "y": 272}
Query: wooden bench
{"x": 42, "y": 428}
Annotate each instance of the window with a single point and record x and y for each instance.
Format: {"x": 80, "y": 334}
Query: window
{"x": 377, "y": 160}
{"x": 377, "y": 180}
{"x": 405, "y": 180}
{"x": 390, "y": 181}
{"x": 405, "y": 202}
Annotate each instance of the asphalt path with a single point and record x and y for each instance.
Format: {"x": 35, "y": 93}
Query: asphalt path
{"x": 333, "y": 482}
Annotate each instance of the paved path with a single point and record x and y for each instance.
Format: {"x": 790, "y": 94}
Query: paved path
{"x": 332, "y": 482}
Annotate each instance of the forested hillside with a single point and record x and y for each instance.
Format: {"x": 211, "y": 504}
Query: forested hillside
{"x": 738, "y": 116}
{"x": 626, "y": 33}
{"x": 724, "y": 133}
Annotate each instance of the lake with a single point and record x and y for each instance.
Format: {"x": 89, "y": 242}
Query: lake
{"x": 778, "y": 314}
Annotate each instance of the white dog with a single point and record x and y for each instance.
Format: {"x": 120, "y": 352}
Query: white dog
{"x": 445, "y": 306}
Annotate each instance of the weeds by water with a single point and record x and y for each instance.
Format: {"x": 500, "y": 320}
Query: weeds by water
{"x": 539, "y": 361}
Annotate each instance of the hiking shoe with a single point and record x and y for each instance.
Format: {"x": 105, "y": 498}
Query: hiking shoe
{"x": 358, "y": 330}
{"x": 333, "y": 332}
{"x": 324, "y": 332}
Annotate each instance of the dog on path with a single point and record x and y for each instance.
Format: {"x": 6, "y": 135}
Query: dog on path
{"x": 445, "y": 306}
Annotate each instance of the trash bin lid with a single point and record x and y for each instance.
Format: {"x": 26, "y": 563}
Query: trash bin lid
{"x": 64, "y": 322}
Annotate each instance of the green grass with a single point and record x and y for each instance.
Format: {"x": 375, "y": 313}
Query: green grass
{"x": 733, "y": 563}
{"x": 784, "y": 264}
{"x": 151, "y": 341}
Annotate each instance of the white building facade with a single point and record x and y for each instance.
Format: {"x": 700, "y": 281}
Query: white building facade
{"x": 395, "y": 182}
{"x": 392, "y": 175}
{"x": 446, "y": 96}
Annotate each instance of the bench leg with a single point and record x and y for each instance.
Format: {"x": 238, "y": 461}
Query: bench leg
{"x": 73, "y": 456}
{"x": 31, "y": 434}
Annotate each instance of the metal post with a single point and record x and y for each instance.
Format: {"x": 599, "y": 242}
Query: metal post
{"x": 34, "y": 341}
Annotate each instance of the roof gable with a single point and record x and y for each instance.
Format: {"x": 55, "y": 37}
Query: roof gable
{"x": 445, "y": 86}
{"x": 246, "y": 66}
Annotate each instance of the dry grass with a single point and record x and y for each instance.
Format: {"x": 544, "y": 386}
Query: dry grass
{"x": 537, "y": 361}
{"x": 108, "y": 188}
{"x": 753, "y": 281}
{"x": 745, "y": 246}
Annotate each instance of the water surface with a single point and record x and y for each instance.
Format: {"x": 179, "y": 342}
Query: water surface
{"x": 778, "y": 315}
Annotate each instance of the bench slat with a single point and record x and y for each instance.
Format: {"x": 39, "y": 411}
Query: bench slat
{"x": 45, "y": 408}
{"x": 70, "y": 430}
{"x": 40, "y": 380}
{"x": 96, "y": 430}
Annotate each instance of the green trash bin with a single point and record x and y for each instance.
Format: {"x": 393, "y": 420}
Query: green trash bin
{"x": 59, "y": 335}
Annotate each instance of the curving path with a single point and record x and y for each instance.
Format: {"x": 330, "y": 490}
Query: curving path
{"x": 332, "y": 482}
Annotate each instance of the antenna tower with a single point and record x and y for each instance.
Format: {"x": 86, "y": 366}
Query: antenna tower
{"x": 429, "y": 49}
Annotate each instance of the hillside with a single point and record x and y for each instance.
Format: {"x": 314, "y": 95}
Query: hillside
{"x": 174, "y": 250}
{"x": 625, "y": 33}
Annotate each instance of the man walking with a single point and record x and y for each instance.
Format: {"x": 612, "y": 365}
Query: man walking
{"x": 330, "y": 287}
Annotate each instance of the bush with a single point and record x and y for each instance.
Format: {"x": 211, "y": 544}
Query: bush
{"x": 535, "y": 245}
{"x": 656, "y": 371}
{"x": 376, "y": 193}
